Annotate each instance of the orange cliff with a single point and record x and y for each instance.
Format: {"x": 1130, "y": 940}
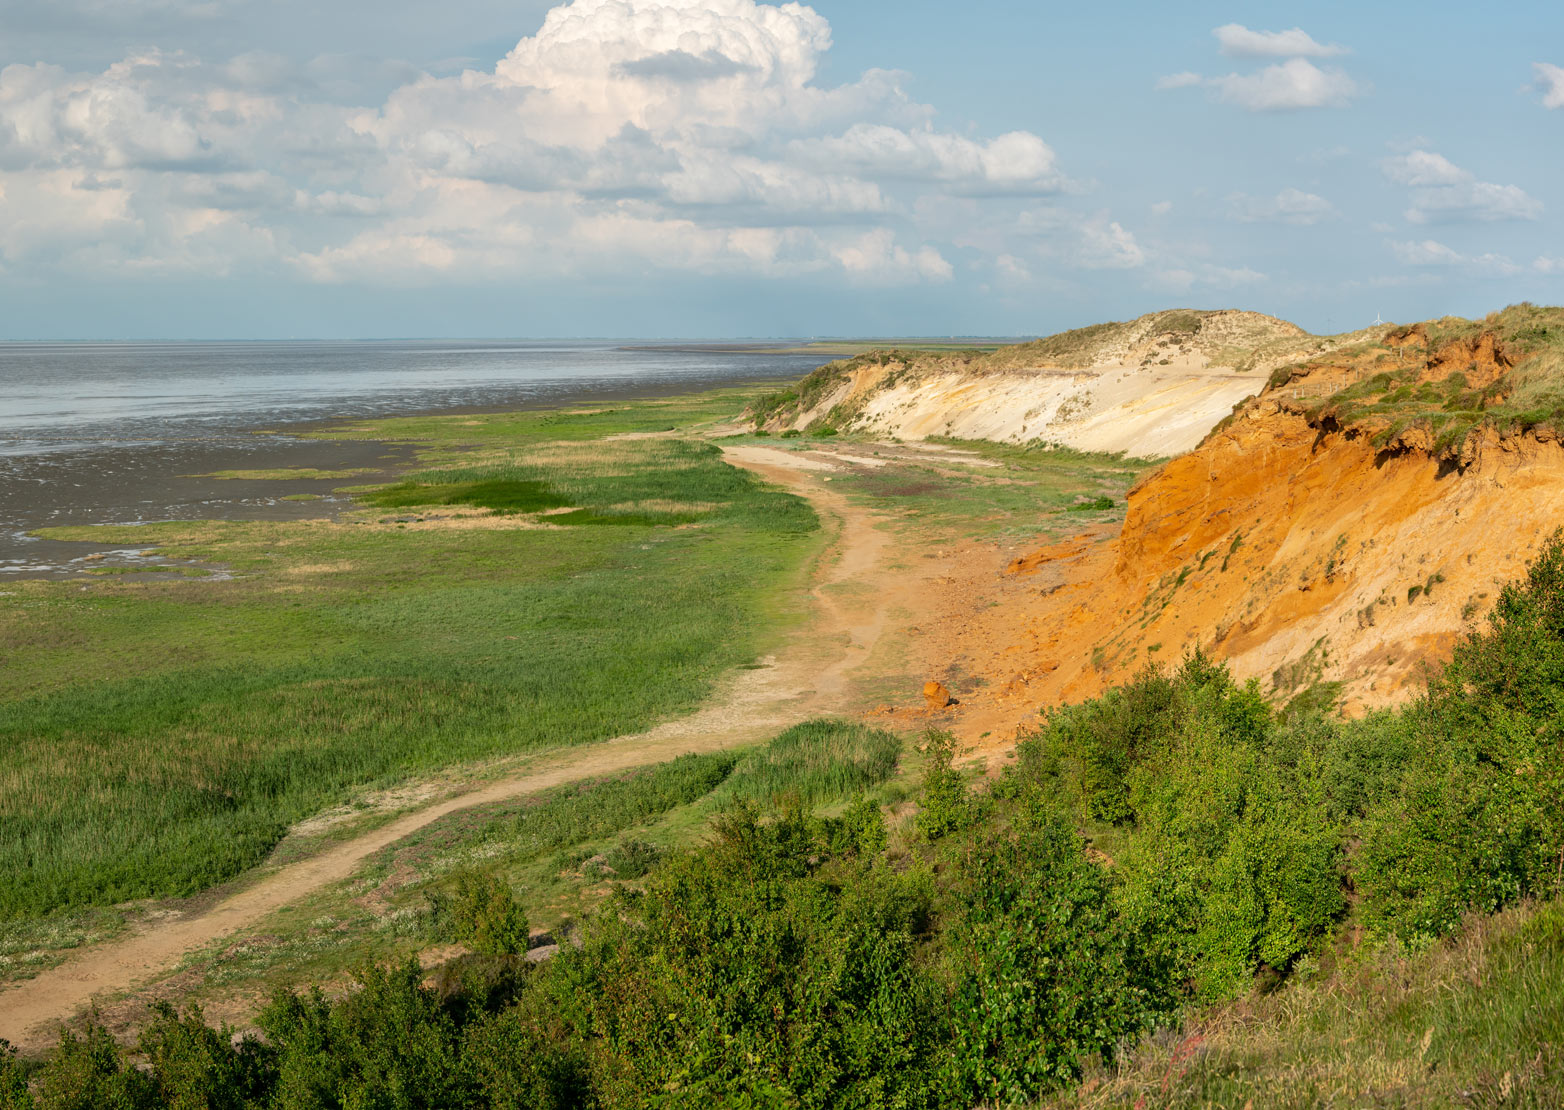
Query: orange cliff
{"x": 1291, "y": 548}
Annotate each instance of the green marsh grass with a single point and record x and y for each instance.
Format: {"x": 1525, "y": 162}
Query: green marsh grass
{"x": 817, "y": 761}
{"x": 162, "y": 737}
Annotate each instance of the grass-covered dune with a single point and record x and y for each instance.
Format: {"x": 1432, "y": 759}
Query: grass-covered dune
{"x": 162, "y": 737}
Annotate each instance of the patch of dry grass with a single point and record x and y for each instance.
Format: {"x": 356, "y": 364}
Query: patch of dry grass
{"x": 1476, "y": 1021}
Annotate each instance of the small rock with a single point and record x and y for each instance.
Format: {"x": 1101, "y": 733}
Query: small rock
{"x": 936, "y": 696}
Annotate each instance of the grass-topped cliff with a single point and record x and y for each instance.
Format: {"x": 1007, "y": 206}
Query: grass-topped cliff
{"x": 1438, "y": 385}
{"x": 1149, "y": 386}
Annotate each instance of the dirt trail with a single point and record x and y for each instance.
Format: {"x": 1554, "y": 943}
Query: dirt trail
{"x": 809, "y": 677}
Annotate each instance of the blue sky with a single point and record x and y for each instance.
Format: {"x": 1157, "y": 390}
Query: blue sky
{"x": 280, "y": 168}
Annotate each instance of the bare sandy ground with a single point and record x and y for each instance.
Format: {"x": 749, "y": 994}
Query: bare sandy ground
{"x": 855, "y": 598}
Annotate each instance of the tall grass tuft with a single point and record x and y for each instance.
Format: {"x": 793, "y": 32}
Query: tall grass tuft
{"x": 817, "y": 761}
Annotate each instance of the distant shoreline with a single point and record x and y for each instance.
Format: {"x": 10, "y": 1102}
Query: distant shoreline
{"x": 164, "y": 480}
{"x": 837, "y": 348}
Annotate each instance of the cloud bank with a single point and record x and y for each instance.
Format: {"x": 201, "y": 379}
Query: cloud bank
{"x": 662, "y": 134}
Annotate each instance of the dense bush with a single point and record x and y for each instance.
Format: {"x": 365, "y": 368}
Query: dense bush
{"x": 483, "y": 914}
{"x": 946, "y": 805}
{"x": 1049, "y": 972}
{"x": 1229, "y": 859}
{"x": 1477, "y": 819}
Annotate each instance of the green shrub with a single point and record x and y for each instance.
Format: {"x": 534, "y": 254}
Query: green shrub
{"x": 13, "y": 1081}
{"x": 630, "y": 859}
{"x": 483, "y": 914}
{"x": 860, "y": 831}
{"x": 1234, "y": 861}
{"x": 1477, "y": 821}
{"x": 89, "y": 1073}
{"x": 389, "y": 1042}
{"x": 194, "y": 1065}
{"x": 1048, "y": 974}
{"x": 945, "y": 805}
{"x": 743, "y": 969}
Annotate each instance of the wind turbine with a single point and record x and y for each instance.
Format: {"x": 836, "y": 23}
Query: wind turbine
{"x": 1377, "y": 321}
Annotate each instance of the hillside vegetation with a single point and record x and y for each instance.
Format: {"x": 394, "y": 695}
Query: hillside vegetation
{"x": 1152, "y": 855}
{"x": 1438, "y": 386}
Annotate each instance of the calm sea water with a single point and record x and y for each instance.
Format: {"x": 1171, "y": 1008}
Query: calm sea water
{"x": 122, "y": 433}
{"x": 67, "y": 397}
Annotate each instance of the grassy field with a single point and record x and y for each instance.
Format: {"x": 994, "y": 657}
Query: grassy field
{"x": 162, "y": 736}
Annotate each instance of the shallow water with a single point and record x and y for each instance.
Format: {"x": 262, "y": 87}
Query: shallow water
{"x": 102, "y": 432}
{"x": 92, "y": 396}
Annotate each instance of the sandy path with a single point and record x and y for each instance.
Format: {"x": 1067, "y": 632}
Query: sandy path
{"x": 810, "y": 676}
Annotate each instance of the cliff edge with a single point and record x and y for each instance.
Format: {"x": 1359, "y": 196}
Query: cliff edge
{"x": 1342, "y": 527}
{"x": 1152, "y": 387}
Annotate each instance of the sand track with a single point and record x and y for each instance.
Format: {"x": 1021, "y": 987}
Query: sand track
{"x": 853, "y": 595}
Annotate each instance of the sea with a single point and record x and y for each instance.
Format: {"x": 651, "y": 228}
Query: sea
{"x": 96, "y": 433}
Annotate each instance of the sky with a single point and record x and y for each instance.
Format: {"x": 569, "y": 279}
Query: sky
{"x": 727, "y": 168}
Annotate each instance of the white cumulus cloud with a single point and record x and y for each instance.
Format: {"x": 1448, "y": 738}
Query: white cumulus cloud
{"x": 669, "y": 134}
{"x": 1239, "y": 41}
{"x": 1107, "y": 245}
{"x": 1430, "y": 252}
{"x": 1284, "y": 87}
{"x": 1288, "y": 86}
{"x": 1424, "y": 167}
{"x": 1550, "y": 79}
{"x": 1443, "y": 192}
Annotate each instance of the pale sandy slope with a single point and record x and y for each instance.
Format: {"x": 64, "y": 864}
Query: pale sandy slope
{"x": 1152, "y": 387}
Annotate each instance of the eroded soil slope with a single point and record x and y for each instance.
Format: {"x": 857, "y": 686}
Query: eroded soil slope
{"x": 1346, "y": 525}
{"x": 1151, "y": 387}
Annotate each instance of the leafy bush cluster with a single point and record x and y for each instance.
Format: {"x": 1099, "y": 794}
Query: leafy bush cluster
{"x": 787, "y": 962}
{"x": 483, "y": 914}
{"x": 796, "y": 960}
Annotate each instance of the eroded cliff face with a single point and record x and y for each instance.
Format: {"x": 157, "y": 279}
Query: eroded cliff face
{"x": 1299, "y": 543}
{"x": 1151, "y": 387}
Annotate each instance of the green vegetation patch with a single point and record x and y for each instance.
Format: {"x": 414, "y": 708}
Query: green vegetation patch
{"x": 503, "y": 495}
{"x": 1020, "y": 494}
{"x": 817, "y": 761}
{"x": 1151, "y": 856}
{"x": 162, "y": 737}
{"x": 278, "y": 474}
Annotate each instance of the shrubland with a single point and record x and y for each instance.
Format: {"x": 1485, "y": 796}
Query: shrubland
{"x": 1175, "y": 891}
